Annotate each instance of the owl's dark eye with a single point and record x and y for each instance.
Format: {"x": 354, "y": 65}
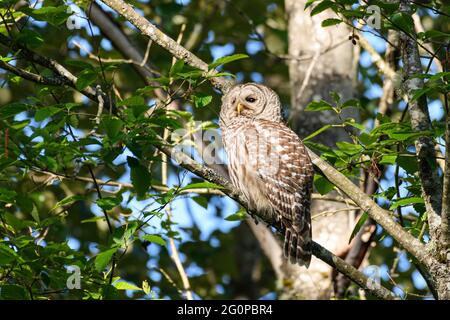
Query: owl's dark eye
{"x": 250, "y": 99}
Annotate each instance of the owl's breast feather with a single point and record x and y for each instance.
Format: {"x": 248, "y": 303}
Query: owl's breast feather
{"x": 242, "y": 151}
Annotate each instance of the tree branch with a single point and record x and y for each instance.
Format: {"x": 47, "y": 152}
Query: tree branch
{"x": 420, "y": 122}
{"x": 317, "y": 250}
{"x": 166, "y": 42}
{"x": 64, "y": 76}
{"x": 31, "y": 76}
{"x": 380, "y": 215}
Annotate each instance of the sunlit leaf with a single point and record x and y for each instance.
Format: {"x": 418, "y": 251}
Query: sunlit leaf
{"x": 103, "y": 259}
{"x": 153, "y": 238}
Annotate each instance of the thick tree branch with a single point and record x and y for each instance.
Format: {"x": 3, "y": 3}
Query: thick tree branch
{"x": 380, "y": 215}
{"x": 420, "y": 122}
{"x": 317, "y": 250}
{"x": 31, "y": 76}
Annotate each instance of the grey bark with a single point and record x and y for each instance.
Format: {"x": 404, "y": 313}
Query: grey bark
{"x": 332, "y": 71}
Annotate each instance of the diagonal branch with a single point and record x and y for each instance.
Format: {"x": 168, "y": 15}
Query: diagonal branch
{"x": 166, "y": 42}
{"x": 63, "y": 76}
{"x": 55, "y": 81}
{"x": 317, "y": 250}
{"x": 380, "y": 215}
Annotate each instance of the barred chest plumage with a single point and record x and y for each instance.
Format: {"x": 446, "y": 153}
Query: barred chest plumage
{"x": 242, "y": 145}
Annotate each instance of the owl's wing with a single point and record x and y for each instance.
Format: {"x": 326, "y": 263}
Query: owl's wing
{"x": 286, "y": 174}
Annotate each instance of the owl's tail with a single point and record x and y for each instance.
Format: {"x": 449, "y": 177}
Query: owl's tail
{"x": 297, "y": 246}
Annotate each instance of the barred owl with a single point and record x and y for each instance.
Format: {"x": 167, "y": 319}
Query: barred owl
{"x": 269, "y": 164}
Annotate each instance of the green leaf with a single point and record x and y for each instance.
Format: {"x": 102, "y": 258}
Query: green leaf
{"x": 227, "y": 59}
{"x": 352, "y": 103}
{"x": 7, "y": 255}
{"x": 322, "y": 184}
{"x": 220, "y": 74}
{"x": 112, "y": 126}
{"x": 53, "y": 15}
{"x": 147, "y": 90}
{"x": 46, "y": 112}
{"x": 201, "y": 99}
{"x": 11, "y": 109}
{"x": 30, "y": 37}
{"x": 35, "y": 215}
{"x": 240, "y": 215}
{"x": 388, "y": 159}
{"x": 79, "y": 64}
{"x": 68, "y": 200}
{"x": 367, "y": 139}
{"x": 176, "y": 68}
{"x": 132, "y": 101}
{"x": 202, "y": 185}
{"x": 322, "y": 7}
{"x": 153, "y": 238}
{"x": 351, "y": 122}
{"x": 330, "y": 22}
{"x": 403, "y": 136}
{"x": 109, "y": 292}
{"x": 349, "y": 148}
{"x": 85, "y": 78}
{"x": 388, "y": 6}
{"x": 103, "y": 258}
{"x": 318, "y": 106}
{"x": 362, "y": 219}
{"x": 420, "y": 92}
{"x": 405, "y": 202}
{"x": 17, "y": 223}
{"x": 190, "y": 74}
{"x": 309, "y": 3}
{"x": 140, "y": 177}
{"x": 434, "y": 34}
{"x": 18, "y": 125}
{"x": 7, "y": 195}
{"x": 145, "y": 287}
{"x": 25, "y": 203}
{"x": 93, "y": 219}
{"x": 201, "y": 201}
{"x": 122, "y": 285}
{"x": 6, "y": 59}
{"x": 402, "y": 21}
{"x": 336, "y": 97}
{"x": 108, "y": 203}
{"x": 317, "y": 132}
{"x": 12, "y": 292}
{"x": 408, "y": 163}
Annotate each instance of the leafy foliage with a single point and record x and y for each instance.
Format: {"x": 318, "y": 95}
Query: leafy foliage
{"x": 66, "y": 170}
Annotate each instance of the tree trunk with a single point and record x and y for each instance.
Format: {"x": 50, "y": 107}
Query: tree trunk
{"x": 331, "y": 67}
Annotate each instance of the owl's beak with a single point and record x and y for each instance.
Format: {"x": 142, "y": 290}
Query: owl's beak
{"x": 239, "y": 108}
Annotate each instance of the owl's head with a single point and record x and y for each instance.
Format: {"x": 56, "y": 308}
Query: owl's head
{"x": 250, "y": 100}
